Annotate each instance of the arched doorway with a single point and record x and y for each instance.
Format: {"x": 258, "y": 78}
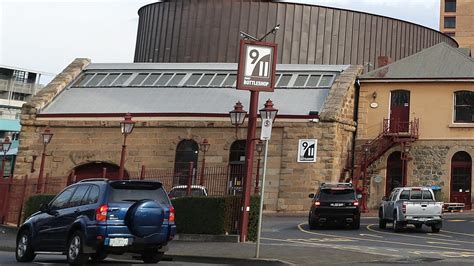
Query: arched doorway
{"x": 187, "y": 151}
{"x": 399, "y": 111}
{"x": 461, "y": 169}
{"x": 236, "y": 166}
{"x": 394, "y": 172}
{"x": 96, "y": 170}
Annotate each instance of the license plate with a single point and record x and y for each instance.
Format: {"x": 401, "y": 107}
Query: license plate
{"x": 337, "y": 204}
{"x": 118, "y": 242}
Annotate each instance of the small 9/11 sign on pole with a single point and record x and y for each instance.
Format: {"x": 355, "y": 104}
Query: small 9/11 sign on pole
{"x": 257, "y": 65}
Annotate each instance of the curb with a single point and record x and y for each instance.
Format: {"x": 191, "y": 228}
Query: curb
{"x": 8, "y": 249}
{"x": 224, "y": 260}
{"x": 207, "y": 238}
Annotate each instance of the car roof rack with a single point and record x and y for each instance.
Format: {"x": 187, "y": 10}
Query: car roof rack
{"x": 336, "y": 184}
{"x": 93, "y": 179}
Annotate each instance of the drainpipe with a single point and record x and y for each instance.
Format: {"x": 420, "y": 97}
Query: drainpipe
{"x": 356, "y": 118}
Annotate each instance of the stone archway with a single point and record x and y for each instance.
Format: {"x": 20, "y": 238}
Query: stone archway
{"x": 96, "y": 170}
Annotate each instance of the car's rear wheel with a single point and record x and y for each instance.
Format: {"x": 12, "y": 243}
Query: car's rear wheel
{"x": 436, "y": 228}
{"x": 312, "y": 224}
{"x": 356, "y": 224}
{"x": 24, "y": 250}
{"x": 75, "y": 252}
{"x": 397, "y": 226}
{"x": 382, "y": 221}
{"x": 99, "y": 256}
{"x": 152, "y": 256}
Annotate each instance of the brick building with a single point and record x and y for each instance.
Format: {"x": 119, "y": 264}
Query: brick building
{"x": 174, "y": 104}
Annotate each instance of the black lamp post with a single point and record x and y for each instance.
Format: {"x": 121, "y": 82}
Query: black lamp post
{"x": 126, "y": 126}
{"x": 46, "y": 137}
{"x": 6, "y": 144}
{"x": 237, "y": 116}
{"x": 259, "y": 148}
{"x": 203, "y": 147}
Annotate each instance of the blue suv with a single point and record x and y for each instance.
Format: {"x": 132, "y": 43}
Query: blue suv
{"x": 97, "y": 217}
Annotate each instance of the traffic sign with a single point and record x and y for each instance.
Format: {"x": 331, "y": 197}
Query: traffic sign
{"x": 307, "y": 150}
{"x": 266, "y": 132}
{"x": 257, "y": 63}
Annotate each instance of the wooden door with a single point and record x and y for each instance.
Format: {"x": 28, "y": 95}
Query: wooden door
{"x": 461, "y": 167}
{"x": 394, "y": 172}
{"x": 399, "y": 111}
{"x": 96, "y": 170}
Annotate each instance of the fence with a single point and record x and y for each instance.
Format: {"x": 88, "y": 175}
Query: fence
{"x": 218, "y": 180}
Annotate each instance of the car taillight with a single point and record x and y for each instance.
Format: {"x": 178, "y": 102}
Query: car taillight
{"x": 171, "y": 219}
{"x": 404, "y": 207}
{"x": 317, "y": 203}
{"x": 101, "y": 213}
{"x": 356, "y": 203}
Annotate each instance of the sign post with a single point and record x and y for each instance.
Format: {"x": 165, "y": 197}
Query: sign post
{"x": 256, "y": 72}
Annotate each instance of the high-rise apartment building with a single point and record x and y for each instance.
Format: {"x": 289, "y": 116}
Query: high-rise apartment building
{"x": 457, "y": 21}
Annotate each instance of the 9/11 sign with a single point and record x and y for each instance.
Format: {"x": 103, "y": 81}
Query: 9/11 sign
{"x": 257, "y": 65}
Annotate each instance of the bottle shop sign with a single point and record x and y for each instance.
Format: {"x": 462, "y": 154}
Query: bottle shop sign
{"x": 257, "y": 63}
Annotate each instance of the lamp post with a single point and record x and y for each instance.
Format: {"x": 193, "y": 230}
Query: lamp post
{"x": 126, "y": 126}
{"x": 259, "y": 148}
{"x": 46, "y": 137}
{"x": 203, "y": 147}
{"x": 405, "y": 157}
{"x": 237, "y": 116}
{"x": 6, "y": 144}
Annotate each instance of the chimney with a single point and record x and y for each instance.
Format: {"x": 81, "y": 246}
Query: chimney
{"x": 383, "y": 60}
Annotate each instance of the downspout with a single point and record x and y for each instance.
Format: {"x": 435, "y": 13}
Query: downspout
{"x": 356, "y": 118}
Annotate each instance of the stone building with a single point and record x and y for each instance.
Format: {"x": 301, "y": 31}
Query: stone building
{"x": 456, "y": 20}
{"x": 176, "y": 103}
{"x": 416, "y": 116}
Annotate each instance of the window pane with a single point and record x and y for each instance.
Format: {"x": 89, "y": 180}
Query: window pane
{"x": 62, "y": 200}
{"x": 96, "y": 80}
{"x": 450, "y": 22}
{"x": 83, "y": 80}
{"x": 176, "y": 79}
{"x": 465, "y": 98}
{"x": 92, "y": 196}
{"x": 193, "y": 79}
{"x": 450, "y": 6}
{"x": 151, "y": 79}
{"x": 427, "y": 195}
{"x": 415, "y": 194}
{"x": 217, "y": 81}
{"x": 121, "y": 80}
{"x": 464, "y": 107}
{"x": 109, "y": 79}
{"x": 284, "y": 80}
{"x": 164, "y": 79}
{"x": 405, "y": 194}
{"x": 300, "y": 80}
{"x": 230, "y": 81}
{"x": 78, "y": 196}
{"x": 326, "y": 81}
{"x": 313, "y": 81}
{"x": 138, "y": 79}
{"x": 330, "y": 194}
{"x": 205, "y": 80}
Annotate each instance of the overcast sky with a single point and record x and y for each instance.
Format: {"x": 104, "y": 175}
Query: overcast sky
{"x": 47, "y": 35}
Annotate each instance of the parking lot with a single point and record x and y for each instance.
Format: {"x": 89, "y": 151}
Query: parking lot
{"x": 455, "y": 242}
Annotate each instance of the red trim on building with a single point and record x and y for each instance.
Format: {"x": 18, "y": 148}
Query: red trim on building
{"x": 98, "y": 115}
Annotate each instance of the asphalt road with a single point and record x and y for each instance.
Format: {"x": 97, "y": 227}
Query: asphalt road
{"x": 454, "y": 244}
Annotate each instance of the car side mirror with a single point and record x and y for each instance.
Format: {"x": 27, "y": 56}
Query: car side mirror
{"x": 44, "y": 207}
{"x": 384, "y": 198}
{"x": 311, "y": 195}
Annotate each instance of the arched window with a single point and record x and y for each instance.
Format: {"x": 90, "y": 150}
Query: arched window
{"x": 186, "y": 152}
{"x": 461, "y": 167}
{"x": 464, "y": 107}
{"x": 236, "y": 166}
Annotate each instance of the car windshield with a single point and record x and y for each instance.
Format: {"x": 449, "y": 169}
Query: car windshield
{"x": 182, "y": 192}
{"x": 134, "y": 192}
{"x": 337, "y": 194}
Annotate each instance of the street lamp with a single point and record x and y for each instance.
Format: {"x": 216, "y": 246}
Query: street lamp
{"x": 6, "y": 144}
{"x": 203, "y": 147}
{"x": 259, "y": 148}
{"x": 46, "y": 137}
{"x": 126, "y": 126}
{"x": 237, "y": 116}
{"x": 268, "y": 112}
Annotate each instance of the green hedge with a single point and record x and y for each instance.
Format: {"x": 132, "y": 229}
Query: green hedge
{"x": 213, "y": 215}
{"x": 32, "y": 205}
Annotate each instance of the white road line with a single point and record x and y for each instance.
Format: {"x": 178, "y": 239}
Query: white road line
{"x": 442, "y": 243}
{"x": 457, "y": 233}
{"x": 371, "y": 235}
{"x": 432, "y": 234}
{"x": 420, "y": 237}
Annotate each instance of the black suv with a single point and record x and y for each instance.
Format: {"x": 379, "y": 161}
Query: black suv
{"x": 334, "y": 203}
{"x": 97, "y": 217}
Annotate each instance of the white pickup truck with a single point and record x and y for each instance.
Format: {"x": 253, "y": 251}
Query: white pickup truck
{"x": 411, "y": 205}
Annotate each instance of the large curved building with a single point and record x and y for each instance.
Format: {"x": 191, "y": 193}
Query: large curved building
{"x": 208, "y": 31}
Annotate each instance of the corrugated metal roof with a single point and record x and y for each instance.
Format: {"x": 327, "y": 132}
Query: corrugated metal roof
{"x": 438, "y": 61}
{"x": 213, "y": 100}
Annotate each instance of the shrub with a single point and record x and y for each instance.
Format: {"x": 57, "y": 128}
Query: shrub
{"x": 33, "y": 203}
{"x": 253, "y": 218}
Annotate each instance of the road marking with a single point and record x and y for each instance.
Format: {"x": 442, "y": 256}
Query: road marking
{"x": 456, "y": 221}
{"x": 371, "y": 235}
{"x": 421, "y": 237}
{"x": 442, "y": 243}
{"x": 437, "y": 234}
{"x": 355, "y": 249}
{"x": 323, "y": 240}
{"x": 383, "y": 241}
{"x": 457, "y": 233}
